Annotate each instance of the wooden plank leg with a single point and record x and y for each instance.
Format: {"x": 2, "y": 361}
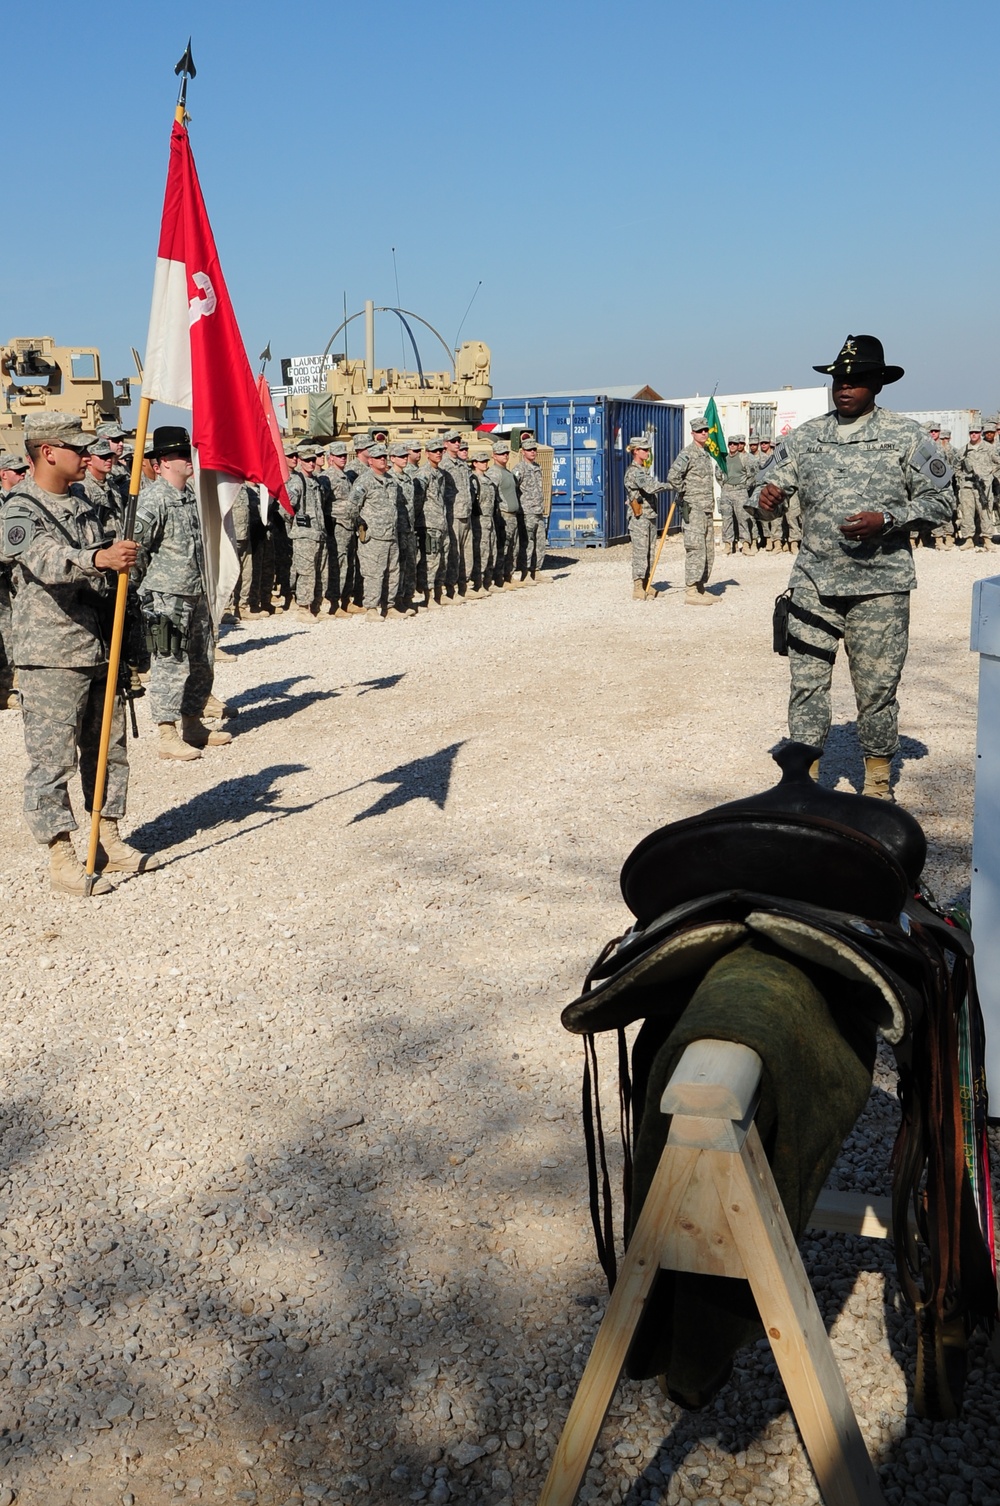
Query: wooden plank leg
{"x": 600, "y": 1378}
{"x": 802, "y": 1350}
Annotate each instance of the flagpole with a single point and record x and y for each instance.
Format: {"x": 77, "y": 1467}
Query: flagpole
{"x": 186, "y": 68}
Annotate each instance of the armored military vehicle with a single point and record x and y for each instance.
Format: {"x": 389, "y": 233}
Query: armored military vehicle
{"x": 36, "y": 373}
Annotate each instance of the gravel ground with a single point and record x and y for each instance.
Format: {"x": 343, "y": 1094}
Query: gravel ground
{"x": 294, "y": 1203}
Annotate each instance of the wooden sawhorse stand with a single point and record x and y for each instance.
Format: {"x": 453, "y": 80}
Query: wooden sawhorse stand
{"x": 713, "y": 1207}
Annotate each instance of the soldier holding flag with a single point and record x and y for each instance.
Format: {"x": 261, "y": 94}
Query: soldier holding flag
{"x": 692, "y": 477}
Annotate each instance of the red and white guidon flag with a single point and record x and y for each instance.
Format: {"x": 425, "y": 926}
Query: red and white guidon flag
{"x": 196, "y": 359}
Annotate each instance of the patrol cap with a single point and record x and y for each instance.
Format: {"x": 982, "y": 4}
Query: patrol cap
{"x": 450, "y": 436}
{"x": 434, "y": 443}
{"x": 338, "y": 447}
{"x": 56, "y": 428}
{"x": 110, "y": 430}
{"x": 976, "y": 427}
{"x": 699, "y": 425}
{"x": 102, "y": 449}
{"x": 415, "y": 444}
{"x": 307, "y": 451}
{"x": 463, "y": 443}
{"x": 501, "y": 447}
{"x": 481, "y": 457}
{"x": 362, "y": 442}
{"x": 945, "y": 433}
{"x": 11, "y": 462}
{"x": 530, "y": 443}
{"x": 640, "y": 442}
{"x": 400, "y": 448}
{"x": 377, "y": 452}
{"x": 737, "y": 439}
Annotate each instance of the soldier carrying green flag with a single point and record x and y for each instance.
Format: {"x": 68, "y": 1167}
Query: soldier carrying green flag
{"x": 692, "y": 477}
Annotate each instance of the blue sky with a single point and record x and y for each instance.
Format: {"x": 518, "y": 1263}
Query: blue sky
{"x": 680, "y": 195}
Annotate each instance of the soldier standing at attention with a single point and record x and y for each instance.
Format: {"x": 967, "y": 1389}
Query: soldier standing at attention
{"x": 55, "y": 542}
{"x": 435, "y": 540}
{"x": 733, "y": 500}
{"x": 419, "y": 531}
{"x": 641, "y": 492}
{"x": 508, "y": 515}
{"x": 691, "y": 476}
{"x": 854, "y": 573}
{"x": 979, "y": 469}
{"x": 399, "y": 457}
{"x": 458, "y": 507}
{"x": 376, "y": 498}
{"x": 358, "y": 466}
{"x": 342, "y": 538}
{"x": 170, "y": 571}
{"x": 484, "y": 500}
{"x": 528, "y": 475}
{"x": 308, "y": 534}
{"x": 99, "y": 485}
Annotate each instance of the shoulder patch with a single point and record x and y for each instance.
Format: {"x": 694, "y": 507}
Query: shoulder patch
{"x": 928, "y": 460}
{"x": 780, "y": 453}
{"x": 18, "y": 527}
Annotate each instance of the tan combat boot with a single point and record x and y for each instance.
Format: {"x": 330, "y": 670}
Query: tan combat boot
{"x": 877, "y": 778}
{"x": 194, "y": 732}
{"x": 814, "y": 770}
{"x": 115, "y": 856}
{"x": 949, "y": 541}
{"x": 694, "y": 596}
{"x": 171, "y": 745}
{"x": 218, "y": 709}
{"x": 67, "y": 874}
{"x": 638, "y": 591}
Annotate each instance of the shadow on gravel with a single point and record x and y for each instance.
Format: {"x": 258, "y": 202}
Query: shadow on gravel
{"x": 238, "y": 647}
{"x": 720, "y": 587}
{"x": 422, "y": 779}
{"x": 267, "y": 692}
{"x": 282, "y": 707}
{"x": 842, "y": 757}
{"x": 384, "y": 682}
{"x": 231, "y": 801}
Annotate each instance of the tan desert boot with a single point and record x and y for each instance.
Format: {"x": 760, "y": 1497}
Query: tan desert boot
{"x": 877, "y": 778}
{"x": 171, "y": 745}
{"x": 67, "y": 874}
{"x": 194, "y": 732}
{"x": 115, "y": 856}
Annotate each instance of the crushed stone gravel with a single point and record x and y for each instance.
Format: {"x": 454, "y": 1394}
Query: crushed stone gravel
{"x": 294, "y": 1198}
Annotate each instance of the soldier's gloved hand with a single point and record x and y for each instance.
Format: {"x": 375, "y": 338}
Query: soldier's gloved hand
{"x": 771, "y": 496}
{"x": 121, "y": 555}
{"x": 862, "y": 525}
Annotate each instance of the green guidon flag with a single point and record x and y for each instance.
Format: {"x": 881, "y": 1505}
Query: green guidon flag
{"x": 716, "y": 445}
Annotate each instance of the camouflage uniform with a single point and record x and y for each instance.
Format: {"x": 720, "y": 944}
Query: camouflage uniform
{"x": 857, "y": 590}
{"x": 691, "y": 476}
{"x": 105, "y": 498}
{"x": 484, "y": 531}
{"x": 378, "y": 505}
{"x": 528, "y": 475}
{"x": 341, "y": 538}
{"x": 407, "y": 533}
{"x": 170, "y": 572}
{"x": 508, "y": 521}
{"x": 244, "y": 503}
{"x": 419, "y": 529}
{"x": 435, "y": 528}
{"x": 980, "y": 467}
{"x": 308, "y": 535}
{"x": 61, "y": 620}
{"x": 736, "y": 487}
{"x": 458, "y": 507}
{"x": 642, "y": 486}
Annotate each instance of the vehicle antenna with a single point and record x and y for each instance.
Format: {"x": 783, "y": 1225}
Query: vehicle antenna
{"x": 402, "y": 341}
{"x": 466, "y": 314}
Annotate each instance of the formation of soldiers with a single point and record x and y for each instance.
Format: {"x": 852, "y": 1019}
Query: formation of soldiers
{"x": 975, "y": 488}
{"x": 393, "y": 528}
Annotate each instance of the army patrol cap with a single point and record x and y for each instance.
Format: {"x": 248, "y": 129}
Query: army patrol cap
{"x": 437, "y": 443}
{"x": 976, "y": 428}
{"x": 307, "y": 451}
{"x": 737, "y": 439}
{"x": 102, "y": 449}
{"x": 481, "y": 458}
{"x": 501, "y": 447}
{"x": 529, "y": 444}
{"x": 400, "y": 449}
{"x": 699, "y": 425}
{"x": 640, "y": 442}
{"x": 12, "y": 462}
{"x": 56, "y": 429}
{"x": 337, "y": 448}
{"x": 463, "y": 444}
{"x": 110, "y": 430}
{"x": 861, "y": 355}
{"x": 362, "y": 442}
{"x": 377, "y": 452}
{"x": 451, "y": 436}
{"x": 945, "y": 433}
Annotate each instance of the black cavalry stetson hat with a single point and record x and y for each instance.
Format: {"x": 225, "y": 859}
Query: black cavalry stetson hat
{"x": 170, "y": 439}
{"x": 861, "y": 355}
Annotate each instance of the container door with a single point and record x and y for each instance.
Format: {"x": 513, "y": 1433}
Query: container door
{"x": 575, "y": 434}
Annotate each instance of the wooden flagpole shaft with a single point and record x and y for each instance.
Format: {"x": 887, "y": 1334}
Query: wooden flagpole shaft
{"x": 663, "y": 535}
{"x": 115, "y": 650}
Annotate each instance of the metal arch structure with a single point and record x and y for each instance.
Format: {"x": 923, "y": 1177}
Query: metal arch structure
{"x": 402, "y": 315}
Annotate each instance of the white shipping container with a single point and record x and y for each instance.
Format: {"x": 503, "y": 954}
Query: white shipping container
{"x": 775, "y": 412}
{"x": 955, "y": 419}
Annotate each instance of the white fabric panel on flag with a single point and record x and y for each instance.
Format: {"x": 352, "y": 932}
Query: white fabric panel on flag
{"x": 216, "y": 493}
{"x": 265, "y": 502}
{"x": 167, "y": 369}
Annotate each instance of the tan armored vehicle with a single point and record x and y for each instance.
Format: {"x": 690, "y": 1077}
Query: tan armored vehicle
{"x": 37, "y": 373}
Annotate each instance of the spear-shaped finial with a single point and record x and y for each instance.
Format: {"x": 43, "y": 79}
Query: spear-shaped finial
{"x": 187, "y": 70}
{"x": 265, "y": 355}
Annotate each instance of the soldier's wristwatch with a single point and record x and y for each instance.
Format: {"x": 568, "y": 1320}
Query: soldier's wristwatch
{"x": 888, "y": 521}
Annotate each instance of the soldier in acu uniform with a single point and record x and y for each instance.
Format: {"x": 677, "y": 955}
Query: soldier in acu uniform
{"x": 56, "y": 543}
{"x": 508, "y": 516}
{"x": 528, "y": 475}
{"x": 341, "y": 532}
{"x": 484, "y": 533}
{"x": 435, "y": 540}
{"x": 308, "y": 533}
{"x": 733, "y": 499}
{"x": 458, "y": 508}
{"x": 641, "y": 492}
{"x": 691, "y": 476}
{"x": 399, "y": 458}
{"x": 854, "y": 573}
{"x": 375, "y": 494}
{"x": 979, "y": 469}
{"x": 170, "y": 570}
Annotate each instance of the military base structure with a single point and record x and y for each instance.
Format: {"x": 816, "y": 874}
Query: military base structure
{"x": 36, "y": 374}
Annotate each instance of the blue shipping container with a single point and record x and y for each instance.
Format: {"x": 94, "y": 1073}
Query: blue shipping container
{"x": 589, "y": 435}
